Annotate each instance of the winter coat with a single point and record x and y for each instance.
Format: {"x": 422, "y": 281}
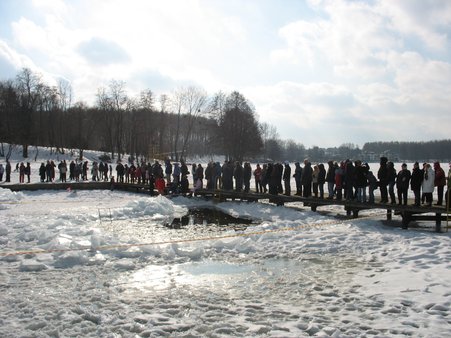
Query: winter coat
{"x": 360, "y": 177}
{"x": 287, "y": 173}
{"x": 257, "y": 173}
{"x": 200, "y": 172}
{"x": 382, "y": 173}
{"x": 307, "y": 173}
{"x": 247, "y": 172}
{"x": 372, "y": 180}
{"x": 427, "y": 185}
{"x": 330, "y": 175}
{"x": 403, "y": 179}
{"x": 440, "y": 178}
{"x": 315, "y": 174}
{"x": 321, "y": 174}
{"x": 416, "y": 179}
{"x": 391, "y": 171}
{"x": 339, "y": 177}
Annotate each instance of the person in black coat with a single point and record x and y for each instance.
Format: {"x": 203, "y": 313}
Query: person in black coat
{"x": 307, "y": 178}
{"x": 330, "y": 179}
{"x": 382, "y": 176}
{"x": 287, "y": 178}
{"x": 349, "y": 180}
{"x": 402, "y": 184}
{"x": 42, "y": 172}
{"x": 247, "y": 175}
{"x": 297, "y": 178}
{"x": 415, "y": 182}
{"x": 238, "y": 175}
{"x": 391, "y": 181}
{"x": 321, "y": 179}
{"x": 361, "y": 180}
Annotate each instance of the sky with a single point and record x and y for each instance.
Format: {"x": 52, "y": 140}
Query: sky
{"x": 324, "y": 73}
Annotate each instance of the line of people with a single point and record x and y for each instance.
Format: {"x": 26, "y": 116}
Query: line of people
{"x": 350, "y": 180}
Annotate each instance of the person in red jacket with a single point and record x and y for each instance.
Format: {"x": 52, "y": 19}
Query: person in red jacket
{"x": 439, "y": 182}
{"x": 160, "y": 184}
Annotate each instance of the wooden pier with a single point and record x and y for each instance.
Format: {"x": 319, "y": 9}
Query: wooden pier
{"x": 408, "y": 213}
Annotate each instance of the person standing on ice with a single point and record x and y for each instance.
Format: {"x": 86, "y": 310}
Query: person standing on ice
{"x": 218, "y": 178}
{"x": 321, "y": 179}
{"x": 21, "y": 173}
{"x": 272, "y": 181}
{"x": 257, "y": 177}
{"x": 402, "y": 184}
{"x": 428, "y": 184}
{"x": 238, "y": 175}
{"x": 85, "y": 171}
{"x": 28, "y": 171}
{"x": 183, "y": 168}
{"x": 120, "y": 171}
{"x": 372, "y": 185}
{"x": 306, "y": 179}
{"x": 391, "y": 181}
{"x": 448, "y": 184}
{"x": 415, "y": 182}
{"x": 361, "y": 181}
{"x": 193, "y": 172}
{"x": 8, "y": 171}
{"x": 247, "y": 174}
{"x": 209, "y": 175}
{"x": 42, "y": 172}
{"x": 176, "y": 174}
{"x": 2, "y": 170}
{"x": 287, "y": 178}
{"x": 330, "y": 179}
{"x": 168, "y": 171}
{"x": 339, "y": 173}
{"x": 297, "y": 178}
{"x": 440, "y": 182}
{"x": 199, "y": 176}
{"x": 382, "y": 175}
{"x": 72, "y": 170}
{"x": 264, "y": 179}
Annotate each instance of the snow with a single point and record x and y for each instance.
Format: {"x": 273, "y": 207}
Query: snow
{"x": 102, "y": 264}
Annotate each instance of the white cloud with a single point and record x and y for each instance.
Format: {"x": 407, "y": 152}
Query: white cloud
{"x": 346, "y": 70}
{"x": 421, "y": 18}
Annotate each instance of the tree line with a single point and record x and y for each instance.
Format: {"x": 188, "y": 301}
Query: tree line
{"x": 187, "y": 123}
{"x": 437, "y": 149}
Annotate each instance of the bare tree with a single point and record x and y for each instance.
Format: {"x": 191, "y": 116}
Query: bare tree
{"x": 29, "y": 87}
{"x": 191, "y": 103}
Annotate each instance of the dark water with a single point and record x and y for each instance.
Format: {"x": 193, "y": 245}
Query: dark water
{"x": 209, "y": 217}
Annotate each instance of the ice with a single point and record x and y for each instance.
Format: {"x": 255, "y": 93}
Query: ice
{"x": 101, "y": 263}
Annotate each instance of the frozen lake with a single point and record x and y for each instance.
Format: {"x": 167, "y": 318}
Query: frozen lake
{"x": 104, "y": 264}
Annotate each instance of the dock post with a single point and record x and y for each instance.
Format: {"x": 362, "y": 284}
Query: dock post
{"x": 438, "y": 222}
{"x": 389, "y": 214}
{"x": 348, "y": 211}
{"x": 406, "y": 218}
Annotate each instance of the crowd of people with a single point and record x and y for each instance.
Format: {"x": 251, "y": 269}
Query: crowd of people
{"x": 349, "y": 180}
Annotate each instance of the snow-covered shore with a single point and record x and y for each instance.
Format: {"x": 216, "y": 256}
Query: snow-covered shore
{"x": 294, "y": 274}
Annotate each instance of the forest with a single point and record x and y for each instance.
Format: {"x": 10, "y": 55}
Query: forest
{"x": 187, "y": 123}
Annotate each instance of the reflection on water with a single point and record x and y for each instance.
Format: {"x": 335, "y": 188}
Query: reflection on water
{"x": 197, "y": 223}
{"x": 207, "y": 217}
{"x": 263, "y": 275}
